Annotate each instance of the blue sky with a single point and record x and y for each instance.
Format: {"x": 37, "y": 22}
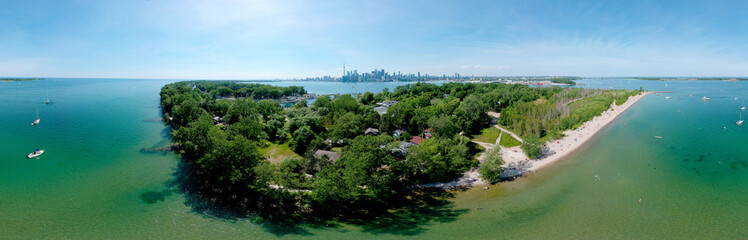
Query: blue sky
{"x": 297, "y": 39}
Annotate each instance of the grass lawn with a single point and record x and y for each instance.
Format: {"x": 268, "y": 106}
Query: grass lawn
{"x": 508, "y": 141}
{"x": 276, "y": 153}
{"x": 488, "y": 135}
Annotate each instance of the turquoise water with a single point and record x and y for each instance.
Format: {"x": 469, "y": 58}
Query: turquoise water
{"x": 94, "y": 183}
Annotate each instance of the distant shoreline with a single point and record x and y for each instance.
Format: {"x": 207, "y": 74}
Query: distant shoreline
{"x": 731, "y": 79}
{"x": 20, "y": 79}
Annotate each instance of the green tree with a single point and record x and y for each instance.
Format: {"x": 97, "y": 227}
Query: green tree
{"x": 367, "y": 98}
{"x": 186, "y": 112}
{"x": 249, "y": 128}
{"x": 532, "y": 146}
{"x": 274, "y": 128}
{"x": 471, "y": 114}
{"x": 291, "y": 173}
{"x": 397, "y": 116}
{"x": 240, "y": 108}
{"x": 363, "y": 177}
{"x": 268, "y": 107}
{"x": 439, "y": 160}
{"x": 344, "y": 103}
{"x": 347, "y": 126}
{"x": 231, "y": 164}
{"x": 490, "y": 168}
{"x": 443, "y": 126}
{"x": 300, "y": 139}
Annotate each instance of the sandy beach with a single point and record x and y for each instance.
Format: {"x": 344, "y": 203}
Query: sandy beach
{"x": 574, "y": 138}
{"x": 562, "y": 147}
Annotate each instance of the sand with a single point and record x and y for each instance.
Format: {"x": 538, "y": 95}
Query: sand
{"x": 562, "y": 147}
{"x": 574, "y": 138}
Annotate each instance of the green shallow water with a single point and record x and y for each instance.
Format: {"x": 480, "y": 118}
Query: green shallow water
{"x": 94, "y": 183}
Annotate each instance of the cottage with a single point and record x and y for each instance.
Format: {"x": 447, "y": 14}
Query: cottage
{"x": 380, "y": 110}
{"x": 386, "y": 104}
{"x": 371, "y": 131}
{"x": 402, "y": 148}
{"x": 427, "y": 133}
{"x": 416, "y": 140}
{"x": 397, "y": 133}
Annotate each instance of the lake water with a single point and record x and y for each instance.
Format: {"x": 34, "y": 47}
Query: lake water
{"x": 93, "y": 181}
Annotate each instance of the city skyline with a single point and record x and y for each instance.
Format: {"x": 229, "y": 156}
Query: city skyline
{"x": 306, "y": 39}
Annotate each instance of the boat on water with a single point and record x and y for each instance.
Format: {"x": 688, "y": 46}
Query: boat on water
{"x": 741, "y": 119}
{"x": 36, "y": 153}
{"x": 35, "y": 122}
{"x": 47, "y": 102}
{"x": 658, "y": 137}
{"x": 743, "y": 107}
{"x": 705, "y": 98}
{"x": 668, "y": 97}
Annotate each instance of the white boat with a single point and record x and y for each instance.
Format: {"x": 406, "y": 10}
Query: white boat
{"x": 35, "y": 122}
{"x": 667, "y": 97}
{"x": 36, "y": 153}
{"x": 741, "y": 119}
{"x": 743, "y": 107}
{"x": 47, "y": 102}
{"x": 704, "y": 98}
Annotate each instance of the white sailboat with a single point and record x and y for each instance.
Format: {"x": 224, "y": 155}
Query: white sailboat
{"x": 35, "y": 122}
{"x": 705, "y": 98}
{"x": 741, "y": 119}
{"x": 743, "y": 107}
{"x": 47, "y": 102}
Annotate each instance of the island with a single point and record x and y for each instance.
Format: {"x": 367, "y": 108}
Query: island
{"x": 363, "y": 154}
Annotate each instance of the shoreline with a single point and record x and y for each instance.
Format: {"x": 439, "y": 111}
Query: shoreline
{"x": 563, "y": 147}
{"x": 576, "y": 138}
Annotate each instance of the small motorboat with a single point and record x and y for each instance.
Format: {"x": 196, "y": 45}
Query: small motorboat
{"x": 705, "y": 98}
{"x": 36, "y": 153}
{"x": 658, "y": 137}
{"x": 668, "y": 97}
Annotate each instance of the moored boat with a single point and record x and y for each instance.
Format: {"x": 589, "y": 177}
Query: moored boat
{"x": 35, "y": 122}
